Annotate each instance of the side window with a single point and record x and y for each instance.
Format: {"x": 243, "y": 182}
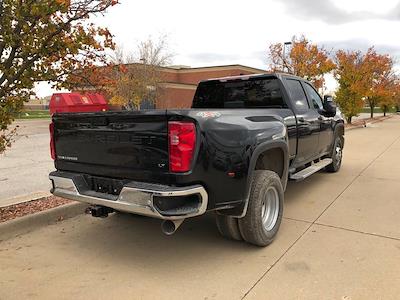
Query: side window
{"x": 315, "y": 99}
{"x": 297, "y": 95}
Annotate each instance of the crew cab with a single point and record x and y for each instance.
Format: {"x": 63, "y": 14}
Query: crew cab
{"x": 232, "y": 153}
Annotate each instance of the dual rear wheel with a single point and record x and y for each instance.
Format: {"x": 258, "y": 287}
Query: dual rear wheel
{"x": 263, "y": 216}
{"x": 264, "y": 211}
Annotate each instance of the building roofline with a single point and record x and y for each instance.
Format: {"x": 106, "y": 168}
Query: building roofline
{"x": 196, "y": 69}
{"x": 176, "y": 85}
{"x": 264, "y": 74}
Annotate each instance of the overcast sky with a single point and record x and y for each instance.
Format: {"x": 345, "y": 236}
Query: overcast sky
{"x": 217, "y": 32}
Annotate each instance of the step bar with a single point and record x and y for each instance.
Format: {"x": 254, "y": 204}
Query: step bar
{"x": 303, "y": 174}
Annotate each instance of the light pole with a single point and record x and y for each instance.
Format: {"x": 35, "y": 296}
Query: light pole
{"x": 284, "y": 55}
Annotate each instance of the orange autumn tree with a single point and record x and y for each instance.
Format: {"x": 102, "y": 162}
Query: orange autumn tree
{"x": 364, "y": 77}
{"x": 396, "y": 93}
{"x": 138, "y": 77}
{"x": 130, "y": 78}
{"x": 92, "y": 78}
{"x": 305, "y": 59}
{"x": 45, "y": 40}
{"x": 376, "y": 80}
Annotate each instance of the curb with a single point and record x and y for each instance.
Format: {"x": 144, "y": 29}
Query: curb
{"x": 25, "y": 224}
{"x": 355, "y": 127}
{"x": 366, "y": 124}
{"x": 24, "y": 198}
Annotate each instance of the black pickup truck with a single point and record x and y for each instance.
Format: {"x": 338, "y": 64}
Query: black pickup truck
{"x": 232, "y": 152}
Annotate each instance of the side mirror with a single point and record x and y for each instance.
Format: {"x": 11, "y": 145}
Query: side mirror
{"x": 329, "y": 106}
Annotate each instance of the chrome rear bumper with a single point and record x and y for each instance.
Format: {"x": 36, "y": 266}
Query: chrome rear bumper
{"x": 135, "y": 197}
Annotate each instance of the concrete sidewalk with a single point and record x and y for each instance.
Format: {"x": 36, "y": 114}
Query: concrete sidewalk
{"x": 340, "y": 239}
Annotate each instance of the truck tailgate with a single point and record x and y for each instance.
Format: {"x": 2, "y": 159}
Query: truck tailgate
{"x": 126, "y": 145}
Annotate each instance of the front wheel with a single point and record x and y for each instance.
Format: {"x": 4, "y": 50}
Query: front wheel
{"x": 337, "y": 155}
{"x": 264, "y": 212}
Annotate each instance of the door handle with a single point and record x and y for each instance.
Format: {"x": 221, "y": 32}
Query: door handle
{"x": 301, "y": 119}
{"x": 320, "y": 118}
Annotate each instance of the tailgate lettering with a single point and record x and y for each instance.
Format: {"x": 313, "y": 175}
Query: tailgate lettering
{"x": 112, "y": 138}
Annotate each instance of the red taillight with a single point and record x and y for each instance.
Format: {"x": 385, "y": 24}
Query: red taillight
{"x": 52, "y": 146}
{"x": 182, "y": 141}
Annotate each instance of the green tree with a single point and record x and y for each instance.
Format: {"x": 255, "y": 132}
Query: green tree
{"x": 396, "y": 93}
{"x": 45, "y": 40}
{"x": 393, "y": 98}
{"x": 347, "y": 74}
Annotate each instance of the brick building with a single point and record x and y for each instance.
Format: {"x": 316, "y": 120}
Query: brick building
{"x": 180, "y": 82}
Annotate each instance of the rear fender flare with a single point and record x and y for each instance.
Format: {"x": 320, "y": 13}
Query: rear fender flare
{"x": 280, "y": 144}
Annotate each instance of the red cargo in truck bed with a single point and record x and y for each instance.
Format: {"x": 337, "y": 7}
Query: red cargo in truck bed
{"x": 76, "y": 102}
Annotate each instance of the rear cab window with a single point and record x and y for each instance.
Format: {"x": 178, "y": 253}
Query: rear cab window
{"x": 248, "y": 93}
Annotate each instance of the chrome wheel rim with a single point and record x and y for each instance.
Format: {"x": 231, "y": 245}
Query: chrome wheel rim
{"x": 338, "y": 154}
{"x": 270, "y": 208}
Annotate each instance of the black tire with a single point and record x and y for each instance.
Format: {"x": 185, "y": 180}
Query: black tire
{"x": 228, "y": 227}
{"x": 251, "y": 226}
{"x": 336, "y": 155}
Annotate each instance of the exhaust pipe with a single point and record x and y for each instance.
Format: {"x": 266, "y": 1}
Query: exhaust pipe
{"x": 169, "y": 227}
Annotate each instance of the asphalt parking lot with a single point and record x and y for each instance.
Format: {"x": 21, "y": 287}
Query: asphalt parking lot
{"x": 340, "y": 239}
{"x": 24, "y": 168}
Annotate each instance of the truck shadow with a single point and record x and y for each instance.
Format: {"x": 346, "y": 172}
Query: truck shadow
{"x": 297, "y": 190}
{"x": 126, "y": 238}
